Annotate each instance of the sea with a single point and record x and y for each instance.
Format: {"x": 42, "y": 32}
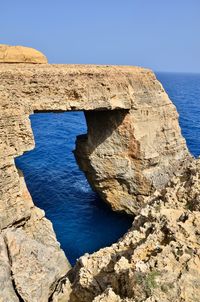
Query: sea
{"x": 83, "y": 223}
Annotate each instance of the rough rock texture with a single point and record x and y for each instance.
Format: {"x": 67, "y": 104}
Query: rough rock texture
{"x": 7, "y": 292}
{"x": 20, "y": 54}
{"x": 158, "y": 259}
{"x": 127, "y": 155}
{"x": 32, "y": 262}
{"x": 107, "y": 296}
{"x": 133, "y": 145}
{"x": 36, "y": 267}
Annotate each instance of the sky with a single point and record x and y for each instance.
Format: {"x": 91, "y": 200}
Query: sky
{"x": 163, "y": 35}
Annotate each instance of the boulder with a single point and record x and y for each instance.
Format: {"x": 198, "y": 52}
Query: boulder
{"x": 21, "y": 54}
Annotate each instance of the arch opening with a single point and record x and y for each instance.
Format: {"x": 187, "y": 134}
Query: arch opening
{"x": 82, "y": 222}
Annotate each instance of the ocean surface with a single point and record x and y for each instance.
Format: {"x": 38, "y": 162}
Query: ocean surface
{"x": 82, "y": 222}
{"x": 184, "y": 91}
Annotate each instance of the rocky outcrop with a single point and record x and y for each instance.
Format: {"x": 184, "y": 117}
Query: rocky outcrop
{"x": 132, "y": 149}
{"x": 158, "y": 259}
{"x": 127, "y": 155}
{"x": 20, "y": 54}
{"x": 133, "y": 145}
{"x": 32, "y": 262}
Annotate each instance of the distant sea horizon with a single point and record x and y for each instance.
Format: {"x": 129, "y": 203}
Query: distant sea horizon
{"x": 179, "y": 72}
{"x": 184, "y": 91}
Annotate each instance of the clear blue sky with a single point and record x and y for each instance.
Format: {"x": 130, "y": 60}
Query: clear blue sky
{"x": 163, "y": 35}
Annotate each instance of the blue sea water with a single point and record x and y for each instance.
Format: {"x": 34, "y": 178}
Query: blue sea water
{"x": 184, "y": 91}
{"x": 82, "y": 222}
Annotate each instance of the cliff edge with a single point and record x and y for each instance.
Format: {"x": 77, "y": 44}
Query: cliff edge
{"x": 133, "y": 155}
{"x": 158, "y": 260}
{"x": 133, "y": 144}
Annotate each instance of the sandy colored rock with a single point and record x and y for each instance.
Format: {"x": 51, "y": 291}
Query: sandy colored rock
{"x": 108, "y": 296}
{"x": 63, "y": 291}
{"x": 15, "y": 138}
{"x": 132, "y": 149}
{"x": 24, "y": 229}
{"x": 20, "y": 54}
{"x": 7, "y": 292}
{"x": 159, "y": 257}
{"x": 36, "y": 268}
{"x": 134, "y": 143}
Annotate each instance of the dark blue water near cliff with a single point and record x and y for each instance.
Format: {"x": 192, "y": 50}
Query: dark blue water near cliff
{"x": 82, "y": 222}
{"x": 184, "y": 91}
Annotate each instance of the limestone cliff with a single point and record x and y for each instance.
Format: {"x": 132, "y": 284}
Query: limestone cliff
{"x": 31, "y": 261}
{"x": 133, "y": 145}
{"x": 132, "y": 149}
{"x": 158, "y": 260}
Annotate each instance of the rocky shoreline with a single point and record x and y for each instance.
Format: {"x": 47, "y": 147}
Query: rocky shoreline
{"x": 133, "y": 155}
{"x": 159, "y": 257}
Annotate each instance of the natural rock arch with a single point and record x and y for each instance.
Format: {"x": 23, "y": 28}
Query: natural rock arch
{"x": 133, "y": 147}
{"x": 134, "y": 144}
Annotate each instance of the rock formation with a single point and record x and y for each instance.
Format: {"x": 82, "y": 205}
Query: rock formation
{"x": 20, "y": 54}
{"x": 31, "y": 261}
{"x": 158, "y": 260}
{"x": 133, "y": 155}
{"x": 133, "y": 145}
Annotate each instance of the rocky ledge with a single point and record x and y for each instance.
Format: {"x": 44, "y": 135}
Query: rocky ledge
{"x": 158, "y": 260}
{"x": 133, "y": 155}
{"x": 133, "y": 144}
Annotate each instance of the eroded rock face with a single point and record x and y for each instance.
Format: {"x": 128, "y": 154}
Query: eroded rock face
{"x": 127, "y": 154}
{"x": 32, "y": 262}
{"x": 158, "y": 259}
{"x": 134, "y": 144}
{"x": 21, "y": 54}
{"x": 36, "y": 266}
{"x": 7, "y": 291}
{"x": 133, "y": 147}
